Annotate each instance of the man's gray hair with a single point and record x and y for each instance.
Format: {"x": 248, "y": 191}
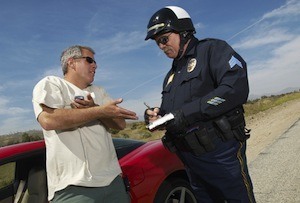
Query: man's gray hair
{"x": 72, "y": 51}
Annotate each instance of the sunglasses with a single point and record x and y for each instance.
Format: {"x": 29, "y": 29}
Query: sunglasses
{"x": 163, "y": 40}
{"x": 87, "y": 58}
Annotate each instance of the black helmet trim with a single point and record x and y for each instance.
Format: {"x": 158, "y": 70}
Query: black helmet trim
{"x": 169, "y": 19}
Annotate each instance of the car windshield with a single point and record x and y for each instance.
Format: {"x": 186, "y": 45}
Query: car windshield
{"x": 125, "y": 146}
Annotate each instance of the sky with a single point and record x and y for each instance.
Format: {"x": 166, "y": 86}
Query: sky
{"x": 33, "y": 33}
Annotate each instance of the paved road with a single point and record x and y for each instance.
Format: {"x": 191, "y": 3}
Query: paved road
{"x": 276, "y": 170}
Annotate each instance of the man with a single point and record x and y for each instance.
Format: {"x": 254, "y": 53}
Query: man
{"x": 82, "y": 165}
{"x": 204, "y": 91}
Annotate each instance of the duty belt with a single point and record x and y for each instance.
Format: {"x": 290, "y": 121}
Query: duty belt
{"x": 201, "y": 140}
{"x": 197, "y": 141}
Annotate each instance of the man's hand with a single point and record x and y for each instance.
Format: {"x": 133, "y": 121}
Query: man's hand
{"x": 83, "y": 103}
{"x": 109, "y": 110}
{"x": 112, "y": 110}
{"x": 114, "y": 116}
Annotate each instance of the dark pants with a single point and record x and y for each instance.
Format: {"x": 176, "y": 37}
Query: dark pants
{"x": 113, "y": 193}
{"x": 221, "y": 175}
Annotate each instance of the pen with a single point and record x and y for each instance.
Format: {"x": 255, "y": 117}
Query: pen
{"x": 148, "y": 107}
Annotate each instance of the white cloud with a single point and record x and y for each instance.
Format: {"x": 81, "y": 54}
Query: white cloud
{"x": 56, "y": 71}
{"x": 152, "y": 98}
{"x": 264, "y": 37}
{"x": 18, "y": 124}
{"x": 3, "y": 103}
{"x": 282, "y": 15}
{"x": 10, "y": 111}
{"x": 273, "y": 45}
{"x": 290, "y": 9}
{"x": 14, "y": 119}
{"x": 14, "y": 111}
{"x": 119, "y": 43}
{"x": 280, "y": 71}
{"x": 199, "y": 26}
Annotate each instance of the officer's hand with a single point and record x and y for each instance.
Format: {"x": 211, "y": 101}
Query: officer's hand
{"x": 151, "y": 115}
{"x": 178, "y": 124}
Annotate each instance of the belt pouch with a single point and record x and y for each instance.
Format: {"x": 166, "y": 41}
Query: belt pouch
{"x": 191, "y": 142}
{"x": 205, "y": 139}
{"x": 225, "y": 128}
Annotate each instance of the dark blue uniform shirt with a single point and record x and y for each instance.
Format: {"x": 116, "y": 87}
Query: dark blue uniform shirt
{"x": 207, "y": 82}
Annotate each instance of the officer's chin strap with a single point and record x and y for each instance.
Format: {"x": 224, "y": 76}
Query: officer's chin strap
{"x": 184, "y": 38}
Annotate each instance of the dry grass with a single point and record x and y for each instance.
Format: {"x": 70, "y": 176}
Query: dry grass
{"x": 7, "y": 174}
{"x": 265, "y": 103}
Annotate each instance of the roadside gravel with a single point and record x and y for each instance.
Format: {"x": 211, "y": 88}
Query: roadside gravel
{"x": 267, "y": 126}
{"x": 273, "y": 153}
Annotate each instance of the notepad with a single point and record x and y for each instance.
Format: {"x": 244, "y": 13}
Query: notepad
{"x": 160, "y": 121}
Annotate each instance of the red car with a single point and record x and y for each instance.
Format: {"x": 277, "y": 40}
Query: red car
{"x": 152, "y": 172}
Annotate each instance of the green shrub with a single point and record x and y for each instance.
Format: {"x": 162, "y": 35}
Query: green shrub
{"x": 146, "y": 134}
{"x": 124, "y": 135}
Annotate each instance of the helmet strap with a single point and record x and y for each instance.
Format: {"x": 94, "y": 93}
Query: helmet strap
{"x": 184, "y": 38}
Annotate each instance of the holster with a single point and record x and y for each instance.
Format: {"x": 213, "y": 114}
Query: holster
{"x": 232, "y": 126}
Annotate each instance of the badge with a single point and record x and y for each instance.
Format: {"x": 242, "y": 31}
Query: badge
{"x": 191, "y": 65}
{"x": 170, "y": 78}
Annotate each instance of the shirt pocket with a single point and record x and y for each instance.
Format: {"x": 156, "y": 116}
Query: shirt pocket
{"x": 166, "y": 89}
{"x": 191, "y": 84}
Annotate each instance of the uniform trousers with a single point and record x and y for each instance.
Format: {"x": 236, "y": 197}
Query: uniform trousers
{"x": 220, "y": 175}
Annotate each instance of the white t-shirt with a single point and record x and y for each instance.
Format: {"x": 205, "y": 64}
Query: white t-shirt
{"x": 83, "y": 156}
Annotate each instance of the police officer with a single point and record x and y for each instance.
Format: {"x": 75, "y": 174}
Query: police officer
{"x": 204, "y": 90}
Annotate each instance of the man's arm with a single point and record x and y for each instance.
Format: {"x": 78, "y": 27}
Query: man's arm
{"x": 117, "y": 123}
{"x": 62, "y": 119}
{"x": 114, "y": 123}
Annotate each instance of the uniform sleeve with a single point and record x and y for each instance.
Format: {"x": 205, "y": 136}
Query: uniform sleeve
{"x": 48, "y": 93}
{"x": 228, "y": 71}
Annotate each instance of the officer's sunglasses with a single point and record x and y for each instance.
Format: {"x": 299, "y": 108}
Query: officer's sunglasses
{"x": 163, "y": 40}
{"x": 87, "y": 58}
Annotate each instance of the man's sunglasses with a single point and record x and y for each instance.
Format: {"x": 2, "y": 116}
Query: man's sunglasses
{"x": 87, "y": 58}
{"x": 163, "y": 40}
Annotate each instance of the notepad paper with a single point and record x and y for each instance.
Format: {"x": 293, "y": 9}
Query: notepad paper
{"x": 160, "y": 121}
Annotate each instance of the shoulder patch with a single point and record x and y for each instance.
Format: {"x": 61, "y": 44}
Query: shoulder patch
{"x": 215, "y": 101}
{"x": 234, "y": 61}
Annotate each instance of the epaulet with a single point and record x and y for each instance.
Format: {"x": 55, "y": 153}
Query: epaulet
{"x": 207, "y": 39}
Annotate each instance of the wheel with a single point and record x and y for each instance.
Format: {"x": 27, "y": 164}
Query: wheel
{"x": 175, "y": 190}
